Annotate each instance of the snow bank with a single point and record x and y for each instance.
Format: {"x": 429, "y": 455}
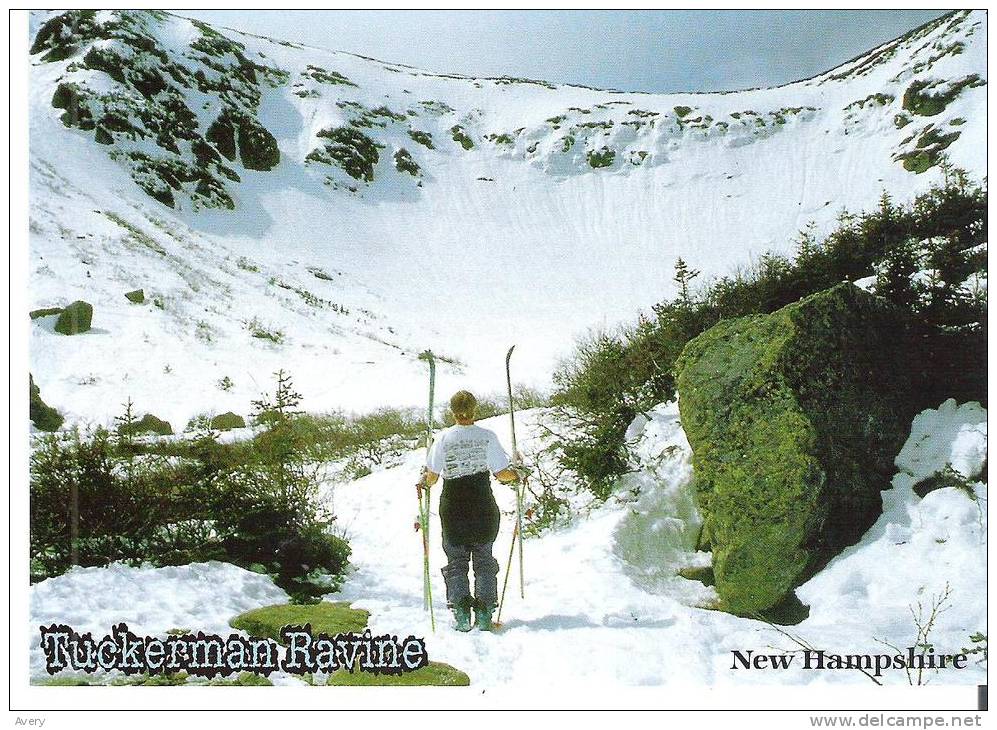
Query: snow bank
{"x": 916, "y": 551}
{"x": 199, "y": 597}
{"x": 658, "y": 536}
{"x": 953, "y": 435}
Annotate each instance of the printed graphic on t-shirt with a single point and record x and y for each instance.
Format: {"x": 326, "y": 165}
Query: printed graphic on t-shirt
{"x": 466, "y": 457}
{"x": 463, "y": 450}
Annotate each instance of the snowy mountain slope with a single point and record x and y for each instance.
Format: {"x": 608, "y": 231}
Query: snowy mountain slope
{"x": 598, "y": 613}
{"x": 294, "y": 207}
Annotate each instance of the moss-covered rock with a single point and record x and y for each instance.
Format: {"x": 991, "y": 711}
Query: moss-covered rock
{"x": 135, "y": 297}
{"x": 146, "y": 424}
{"x": 324, "y": 618}
{"x": 75, "y": 318}
{"x": 435, "y": 674}
{"x": 794, "y": 420}
{"x": 227, "y": 421}
{"x": 44, "y": 312}
{"x": 44, "y": 416}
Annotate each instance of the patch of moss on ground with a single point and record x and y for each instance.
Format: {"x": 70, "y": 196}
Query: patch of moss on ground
{"x": 681, "y": 111}
{"x": 436, "y": 674}
{"x": 324, "y": 618}
{"x": 794, "y": 419}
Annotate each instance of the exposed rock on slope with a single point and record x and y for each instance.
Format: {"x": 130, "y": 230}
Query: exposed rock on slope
{"x": 794, "y": 419}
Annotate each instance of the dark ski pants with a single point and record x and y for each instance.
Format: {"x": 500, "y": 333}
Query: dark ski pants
{"x": 486, "y": 568}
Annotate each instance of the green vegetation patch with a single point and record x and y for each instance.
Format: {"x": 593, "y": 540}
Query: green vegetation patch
{"x": 918, "y": 99}
{"x": 423, "y": 138}
{"x": 871, "y": 100}
{"x": 460, "y": 136}
{"x": 257, "y": 147}
{"x": 503, "y": 138}
{"x": 44, "y": 416}
{"x": 349, "y": 149}
{"x": 44, "y": 312}
{"x": 327, "y": 77}
{"x": 681, "y": 111}
{"x": 227, "y": 421}
{"x": 928, "y": 151}
{"x": 146, "y": 424}
{"x": 323, "y": 618}
{"x": 405, "y": 163}
{"x": 601, "y": 158}
{"x": 135, "y": 297}
{"x": 794, "y": 420}
{"x": 435, "y": 674}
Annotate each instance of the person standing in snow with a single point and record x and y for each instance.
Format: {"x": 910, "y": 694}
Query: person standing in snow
{"x": 464, "y": 455}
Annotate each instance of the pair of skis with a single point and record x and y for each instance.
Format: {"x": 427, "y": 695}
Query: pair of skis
{"x": 424, "y": 497}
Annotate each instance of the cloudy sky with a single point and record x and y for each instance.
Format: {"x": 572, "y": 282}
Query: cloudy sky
{"x": 646, "y": 50}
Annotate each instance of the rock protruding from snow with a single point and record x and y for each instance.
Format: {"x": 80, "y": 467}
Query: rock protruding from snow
{"x": 75, "y": 319}
{"x": 794, "y": 419}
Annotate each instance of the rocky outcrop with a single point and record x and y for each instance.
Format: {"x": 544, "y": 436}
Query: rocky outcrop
{"x": 75, "y": 319}
{"x": 794, "y": 419}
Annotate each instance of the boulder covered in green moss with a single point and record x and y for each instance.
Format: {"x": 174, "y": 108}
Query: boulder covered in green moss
{"x": 146, "y": 424}
{"x": 75, "y": 319}
{"x": 227, "y": 421}
{"x": 135, "y": 297}
{"x": 44, "y": 416}
{"x": 434, "y": 674}
{"x": 794, "y": 419}
{"x": 324, "y": 618}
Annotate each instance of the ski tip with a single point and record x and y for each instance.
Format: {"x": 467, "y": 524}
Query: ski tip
{"x": 509, "y": 354}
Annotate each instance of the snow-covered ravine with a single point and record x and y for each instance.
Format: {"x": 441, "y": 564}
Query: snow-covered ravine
{"x": 523, "y": 241}
{"x": 603, "y": 607}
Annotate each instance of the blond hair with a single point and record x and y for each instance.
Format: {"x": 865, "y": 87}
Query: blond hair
{"x": 462, "y": 405}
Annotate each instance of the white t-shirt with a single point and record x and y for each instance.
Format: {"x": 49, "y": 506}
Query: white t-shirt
{"x": 463, "y": 450}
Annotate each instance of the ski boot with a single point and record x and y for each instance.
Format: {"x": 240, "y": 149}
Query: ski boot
{"x": 483, "y": 617}
{"x": 462, "y": 617}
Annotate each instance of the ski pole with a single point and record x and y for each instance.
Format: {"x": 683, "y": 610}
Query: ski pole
{"x": 508, "y": 566}
{"x": 424, "y": 503}
{"x": 518, "y": 459}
